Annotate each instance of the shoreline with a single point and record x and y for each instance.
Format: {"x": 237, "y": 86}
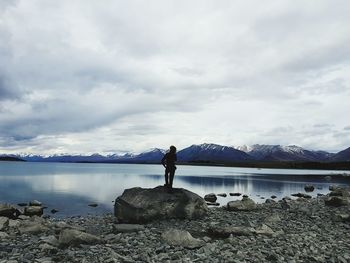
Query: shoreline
{"x": 301, "y": 230}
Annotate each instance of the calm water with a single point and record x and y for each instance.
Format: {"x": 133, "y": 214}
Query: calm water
{"x": 69, "y": 188}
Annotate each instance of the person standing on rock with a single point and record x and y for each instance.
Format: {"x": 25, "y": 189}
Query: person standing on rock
{"x": 168, "y": 162}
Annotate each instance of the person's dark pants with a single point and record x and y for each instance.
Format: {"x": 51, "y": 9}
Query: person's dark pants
{"x": 169, "y": 175}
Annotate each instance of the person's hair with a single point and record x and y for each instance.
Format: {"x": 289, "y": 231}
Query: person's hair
{"x": 172, "y": 149}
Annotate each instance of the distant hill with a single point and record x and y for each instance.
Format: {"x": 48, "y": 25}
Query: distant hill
{"x": 341, "y": 156}
{"x": 11, "y": 159}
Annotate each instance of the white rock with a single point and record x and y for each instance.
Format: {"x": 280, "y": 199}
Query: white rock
{"x": 175, "y": 237}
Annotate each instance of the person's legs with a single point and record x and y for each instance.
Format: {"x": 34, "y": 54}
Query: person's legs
{"x": 166, "y": 176}
{"x": 171, "y": 173}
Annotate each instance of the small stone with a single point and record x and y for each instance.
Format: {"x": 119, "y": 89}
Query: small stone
{"x": 54, "y": 211}
{"x": 93, "y": 205}
{"x": 127, "y": 228}
{"x": 222, "y": 195}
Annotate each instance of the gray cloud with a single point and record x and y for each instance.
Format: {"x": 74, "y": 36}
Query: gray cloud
{"x": 120, "y": 76}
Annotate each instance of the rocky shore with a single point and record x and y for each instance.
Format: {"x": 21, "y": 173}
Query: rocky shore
{"x": 299, "y": 230}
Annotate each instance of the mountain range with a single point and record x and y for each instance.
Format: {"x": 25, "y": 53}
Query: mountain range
{"x": 206, "y": 152}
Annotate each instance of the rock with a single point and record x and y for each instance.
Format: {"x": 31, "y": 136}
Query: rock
{"x": 270, "y": 201}
{"x": 273, "y": 196}
{"x": 264, "y": 230}
{"x": 328, "y": 178}
{"x": 285, "y": 204}
{"x": 32, "y": 228}
{"x": 22, "y": 204}
{"x": 225, "y": 232}
{"x": 93, "y": 205}
{"x": 14, "y": 223}
{"x": 175, "y": 237}
{"x": 222, "y": 195}
{"x": 33, "y": 210}
{"x": 302, "y": 195}
{"x": 73, "y": 237}
{"x": 137, "y": 205}
{"x": 273, "y": 218}
{"x": 127, "y": 228}
{"x": 4, "y": 222}
{"x": 35, "y": 203}
{"x": 7, "y": 211}
{"x": 47, "y": 248}
{"x": 246, "y": 204}
{"x": 210, "y": 198}
{"x": 51, "y": 240}
{"x": 235, "y": 194}
{"x": 213, "y": 204}
{"x": 340, "y": 191}
{"x": 54, "y": 211}
{"x": 309, "y": 188}
{"x": 3, "y": 235}
{"x": 342, "y": 217}
{"x": 337, "y": 201}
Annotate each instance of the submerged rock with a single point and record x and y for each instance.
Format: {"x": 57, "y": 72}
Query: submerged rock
{"x": 35, "y": 203}
{"x": 246, "y": 204}
{"x": 302, "y": 195}
{"x": 309, "y": 188}
{"x": 210, "y": 198}
{"x": 138, "y": 205}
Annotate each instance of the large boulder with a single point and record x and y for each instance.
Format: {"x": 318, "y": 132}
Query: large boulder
{"x": 246, "y": 204}
{"x": 139, "y": 205}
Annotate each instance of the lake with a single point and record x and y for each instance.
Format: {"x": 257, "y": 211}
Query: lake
{"x": 70, "y": 187}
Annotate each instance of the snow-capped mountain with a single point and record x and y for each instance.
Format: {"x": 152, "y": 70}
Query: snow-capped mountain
{"x": 206, "y": 152}
{"x": 212, "y": 152}
{"x": 263, "y": 152}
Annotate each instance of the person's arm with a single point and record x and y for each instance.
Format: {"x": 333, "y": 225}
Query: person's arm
{"x": 163, "y": 161}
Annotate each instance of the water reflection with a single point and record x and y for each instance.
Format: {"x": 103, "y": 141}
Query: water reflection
{"x": 71, "y": 187}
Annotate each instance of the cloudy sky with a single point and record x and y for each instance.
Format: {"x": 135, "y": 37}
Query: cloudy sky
{"x": 110, "y": 76}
